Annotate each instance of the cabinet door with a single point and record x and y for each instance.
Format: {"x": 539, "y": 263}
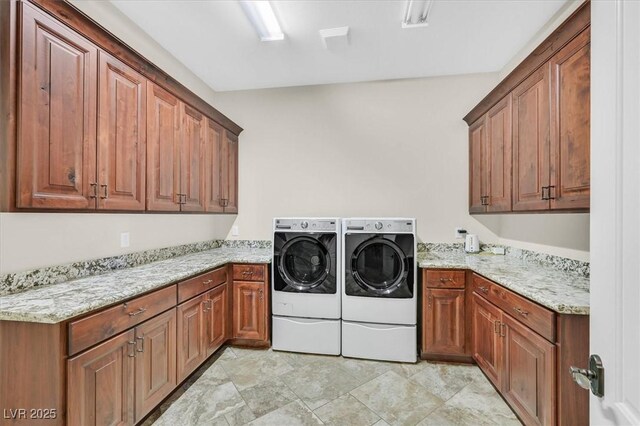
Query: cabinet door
{"x": 531, "y": 141}
{"x": 121, "y": 136}
{"x": 477, "y": 165}
{"x": 191, "y": 343}
{"x": 529, "y": 374}
{"x": 56, "y": 164}
{"x": 213, "y": 166}
{"x": 216, "y": 307}
{"x": 155, "y": 361}
{"x": 101, "y": 383}
{"x": 487, "y": 343}
{"x": 570, "y": 124}
{"x": 444, "y": 325}
{"x": 229, "y": 170}
{"x": 249, "y": 310}
{"x": 163, "y": 145}
{"x": 192, "y": 171}
{"x": 498, "y": 153}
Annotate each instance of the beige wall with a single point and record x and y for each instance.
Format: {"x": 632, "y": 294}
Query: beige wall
{"x": 297, "y": 158}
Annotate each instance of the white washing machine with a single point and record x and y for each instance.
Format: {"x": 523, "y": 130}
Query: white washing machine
{"x": 379, "y": 289}
{"x": 306, "y": 297}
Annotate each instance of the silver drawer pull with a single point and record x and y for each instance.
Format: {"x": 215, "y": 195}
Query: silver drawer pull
{"x": 138, "y": 312}
{"x": 485, "y": 290}
{"x": 444, "y": 280}
{"x": 207, "y": 282}
{"x": 520, "y": 311}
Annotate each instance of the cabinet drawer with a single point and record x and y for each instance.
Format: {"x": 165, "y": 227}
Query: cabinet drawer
{"x": 441, "y": 278}
{"x": 248, "y": 272}
{"x": 536, "y": 317}
{"x": 95, "y": 328}
{"x": 197, "y": 285}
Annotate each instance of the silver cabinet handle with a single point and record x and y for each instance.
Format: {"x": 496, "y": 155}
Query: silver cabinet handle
{"x": 141, "y": 340}
{"x": 521, "y": 312}
{"x": 138, "y": 312}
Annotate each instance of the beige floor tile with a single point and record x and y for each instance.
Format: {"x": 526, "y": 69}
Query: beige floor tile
{"x": 318, "y": 384}
{"x": 346, "y": 411}
{"x": 365, "y": 369}
{"x": 240, "y": 416}
{"x": 397, "y": 400}
{"x": 250, "y": 370}
{"x": 445, "y": 380}
{"x": 476, "y": 404}
{"x": 293, "y": 414}
{"x": 267, "y": 396}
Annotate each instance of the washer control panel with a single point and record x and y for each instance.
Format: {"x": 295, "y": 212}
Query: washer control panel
{"x": 309, "y": 225}
{"x": 380, "y": 225}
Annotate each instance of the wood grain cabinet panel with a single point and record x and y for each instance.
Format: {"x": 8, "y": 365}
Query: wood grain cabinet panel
{"x": 531, "y": 141}
{"x": 249, "y": 310}
{"x": 217, "y": 318}
{"x": 101, "y": 384}
{"x": 498, "y": 157}
{"x": 229, "y": 170}
{"x": 122, "y": 138}
{"x": 444, "y": 325}
{"x": 155, "y": 362}
{"x": 487, "y": 343}
{"x": 213, "y": 165}
{"x": 191, "y": 348}
{"x": 163, "y": 150}
{"x": 192, "y": 159}
{"x": 477, "y": 166}
{"x": 529, "y": 374}
{"x": 570, "y": 125}
{"x": 57, "y": 129}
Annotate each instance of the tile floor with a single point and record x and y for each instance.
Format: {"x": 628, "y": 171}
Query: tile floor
{"x": 265, "y": 387}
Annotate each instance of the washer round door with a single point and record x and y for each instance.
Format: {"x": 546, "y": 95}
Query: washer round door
{"x": 304, "y": 263}
{"x": 379, "y": 266}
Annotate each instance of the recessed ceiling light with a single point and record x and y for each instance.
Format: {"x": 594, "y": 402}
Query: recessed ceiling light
{"x": 263, "y": 19}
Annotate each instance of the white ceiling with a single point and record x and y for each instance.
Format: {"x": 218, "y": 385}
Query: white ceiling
{"x": 216, "y": 41}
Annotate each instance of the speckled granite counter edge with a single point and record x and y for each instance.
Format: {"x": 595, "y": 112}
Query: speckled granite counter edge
{"x": 22, "y": 281}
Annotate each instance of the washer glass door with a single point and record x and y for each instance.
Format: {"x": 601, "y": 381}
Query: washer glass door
{"x": 379, "y": 266}
{"x": 304, "y": 263}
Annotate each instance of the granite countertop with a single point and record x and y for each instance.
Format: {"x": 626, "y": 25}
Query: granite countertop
{"x": 560, "y": 291}
{"x": 59, "y": 302}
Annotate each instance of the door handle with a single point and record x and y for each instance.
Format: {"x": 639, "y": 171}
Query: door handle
{"x": 141, "y": 340}
{"x": 591, "y": 378}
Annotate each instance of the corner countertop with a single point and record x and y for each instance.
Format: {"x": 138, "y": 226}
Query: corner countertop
{"x": 59, "y": 302}
{"x": 560, "y": 291}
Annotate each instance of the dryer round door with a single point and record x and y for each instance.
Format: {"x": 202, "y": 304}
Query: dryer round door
{"x": 379, "y": 266}
{"x": 304, "y": 263}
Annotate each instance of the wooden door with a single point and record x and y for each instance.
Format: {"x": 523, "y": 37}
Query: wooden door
{"x": 498, "y": 153}
{"x": 155, "y": 362}
{"x": 216, "y": 317}
{"x": 444, "y": 327}
{"x": 56, "y": 166}
{"x": 571, "y": 124}
{"x": 163, "y": 145}
{"x": 191, "y": 343}
{"x": 531, "y": 142}
{"x": 121, "y": 136}
{"x": 213, "y": 166}
{"x": 529, "y": 380}
{"x": 477, "y": 166}
{"x": 249, "y": 310}
{"x": 231, "y": 203}
{"x": 487, "y": 341}
{"x": 101, "y": 384}
{"x": 192, "y": 164}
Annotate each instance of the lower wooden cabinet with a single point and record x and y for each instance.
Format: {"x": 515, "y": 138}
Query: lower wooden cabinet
{"x": 487, "y": 345}
{"x": 216, "y": 319}
{"x": 444, "y": 328}
{"x": 191, "y": 343}
{"x": 101, "y": 383}
{"x": 249, "y": 307}
{"x": 123, "y": 379}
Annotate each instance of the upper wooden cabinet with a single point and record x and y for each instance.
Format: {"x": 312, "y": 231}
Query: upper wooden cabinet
{"x": 122, "y": 138}
{"x": 56, "y": 150}
{"x": 570, "y": 125}
{"x": 94, "y": 126}
{"x": 530, "y": 137}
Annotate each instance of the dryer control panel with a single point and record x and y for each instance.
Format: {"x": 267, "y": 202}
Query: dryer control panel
{"x": 306, "y": 224}
{"x": 380, "y": 225}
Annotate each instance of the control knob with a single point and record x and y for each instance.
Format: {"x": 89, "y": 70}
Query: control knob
{"x": 378, "y": 225}
{"x": 304, "y": 225}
